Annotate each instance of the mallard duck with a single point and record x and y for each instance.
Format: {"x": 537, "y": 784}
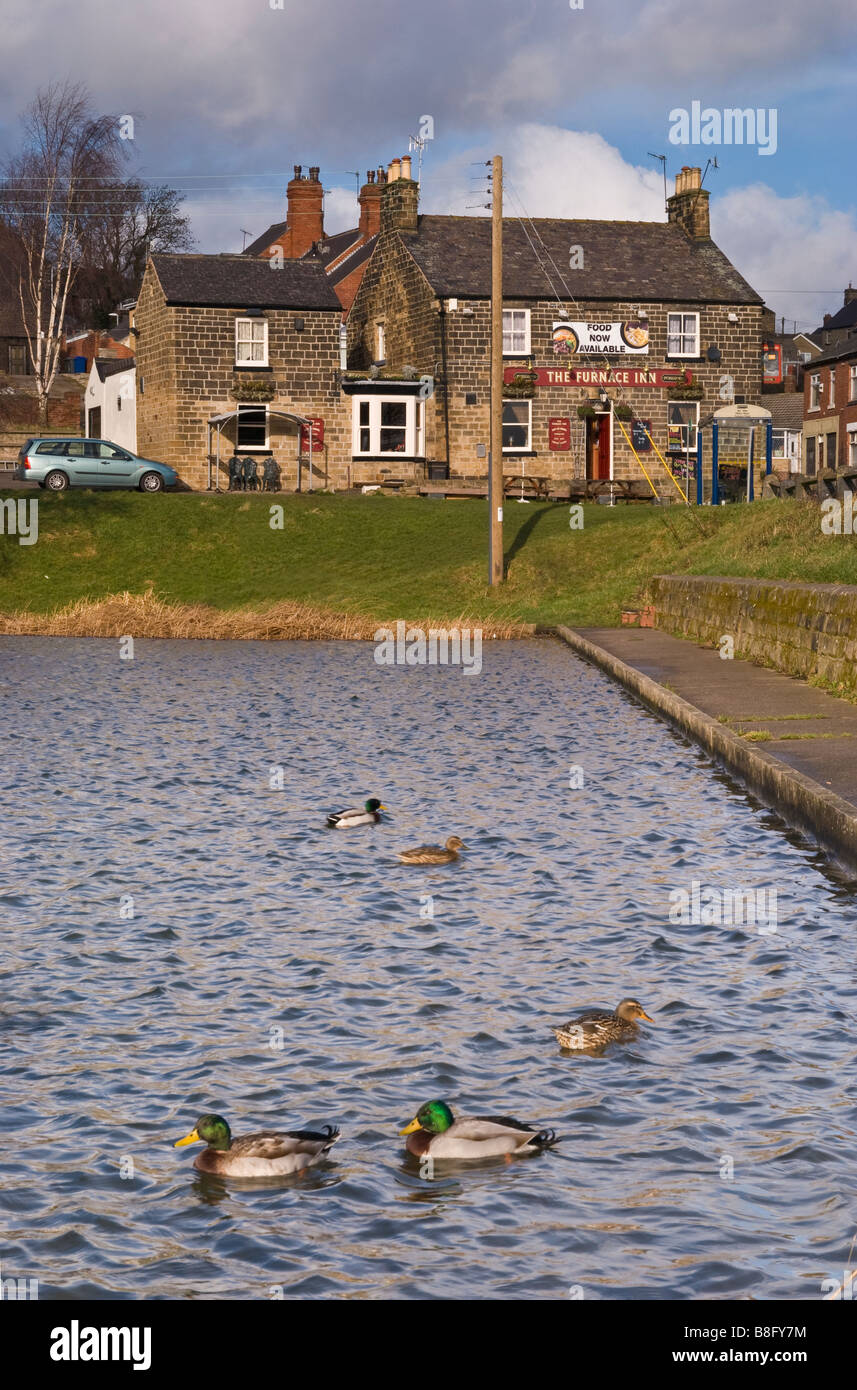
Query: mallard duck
{"x": 435, "y": 1131}
{"x": 595, "y": 1027}
{"x": 268, "y": 1154}
{"x": 433, "y": 854}
{"x": 344, "y": 820}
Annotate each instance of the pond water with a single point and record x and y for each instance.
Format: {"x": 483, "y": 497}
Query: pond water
{"x": 712, "y": 1157}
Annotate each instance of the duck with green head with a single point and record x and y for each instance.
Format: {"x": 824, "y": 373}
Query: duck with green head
{"x": 370, "y": 814}
{"x": 435, "y": 1130}
{"x": 267, "y": 1154}
{"x": 595, "y": 1028}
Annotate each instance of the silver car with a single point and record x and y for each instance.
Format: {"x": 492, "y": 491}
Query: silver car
{"x": 58, "y": 463}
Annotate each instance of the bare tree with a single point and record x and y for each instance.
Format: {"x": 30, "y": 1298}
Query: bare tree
{"x": 135, "y": 219}
{"x": 49, "y": 193}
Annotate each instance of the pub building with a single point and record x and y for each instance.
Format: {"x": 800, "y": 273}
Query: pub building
{"x": 614, "y": 334}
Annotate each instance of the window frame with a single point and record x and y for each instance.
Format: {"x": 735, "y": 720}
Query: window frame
{"x": 852, "y": 384}
{"x": 372, "y": 405}
{"x": 251, "y": 319}
{"x": 851, "y": 451}
{"x": 814, "y": 391}
{"x": 687, "y": 448}
{"x": 255, "y": 406}
{"x": 525, "y": 351}
{"x": 682, "y": 353}
{"x": 519, "y": 448}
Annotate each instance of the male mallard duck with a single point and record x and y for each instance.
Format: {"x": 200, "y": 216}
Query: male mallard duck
{"x": 435, "y": 1131}
{"x": 595, "y": 1028}
{"x": 433, "y": 854}
{"x": 268, "y": 1154}
{"x": 344, "y": 820}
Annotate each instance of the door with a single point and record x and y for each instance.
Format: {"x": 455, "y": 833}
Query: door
{"x": 93, "y": 422}
{"x": 115, "y": 465}
{"x": 830, "y": 451}
{"x": 604, "y": 422}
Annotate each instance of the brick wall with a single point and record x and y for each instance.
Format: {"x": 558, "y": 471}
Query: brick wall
{"x": 838, "y": 410}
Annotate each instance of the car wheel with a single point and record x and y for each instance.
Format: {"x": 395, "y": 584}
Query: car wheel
{"x": 56, "y": 481}
{"x": 151, "y": 482}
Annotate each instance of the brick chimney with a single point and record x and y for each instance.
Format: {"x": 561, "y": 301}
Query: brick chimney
{"x": 688, "y": 206}
{"x": 400, "y": 202}
{"x": 370, "y": 205}
{"x": 305, "y": 216}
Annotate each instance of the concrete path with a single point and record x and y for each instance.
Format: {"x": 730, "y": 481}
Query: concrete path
{"x": 806, "y": 770}
{"x": 810, "y": 730}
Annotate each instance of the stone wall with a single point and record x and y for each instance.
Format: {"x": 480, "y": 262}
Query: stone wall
{"x": 186, "y": 360}
{"x": 802, "y": 629}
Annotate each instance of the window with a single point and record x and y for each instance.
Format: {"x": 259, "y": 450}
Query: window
{"x": 831, "y": 400}
{"x": 380, "y": 343}
{"x": 387, "y": 425}
{"x": 682, "y": 418}
{"x": 682, "y": 335}
{"x": 778, "y": 447}
{"x": 516, "y": 426}
{"x": 17, "y": 359}
{"x": 815, "y": 391}
{"x": 830, "y": 451}
{"x": 516, "y": 332}
{"x": 852, "y": 386}
{"x": 810, "y": 456}
{"x": 251, "y": 342}
{"x": 252, "y": 427}
{"x": 110, "y": 451}
{"x": 852, "y": 444}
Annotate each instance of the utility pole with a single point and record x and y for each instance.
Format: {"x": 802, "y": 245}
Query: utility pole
{"x": 495, "y": 479}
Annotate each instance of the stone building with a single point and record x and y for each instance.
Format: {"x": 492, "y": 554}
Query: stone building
{"x": 237, "y": 337}
{"x": 610, "y": 329}
{"x": 830, "y": 409}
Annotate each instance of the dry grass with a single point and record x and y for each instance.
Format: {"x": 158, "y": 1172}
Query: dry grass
{"x": 147, "y": 615}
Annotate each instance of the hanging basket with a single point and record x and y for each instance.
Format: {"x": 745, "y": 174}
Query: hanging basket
{"x": 586, "y": 411}
{"x": 521, "y": 387}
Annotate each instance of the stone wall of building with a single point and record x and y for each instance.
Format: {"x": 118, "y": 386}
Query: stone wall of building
{"x": 186, "y": 358}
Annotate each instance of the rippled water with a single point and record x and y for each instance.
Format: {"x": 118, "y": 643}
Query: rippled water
{"x": 151, "y": 778}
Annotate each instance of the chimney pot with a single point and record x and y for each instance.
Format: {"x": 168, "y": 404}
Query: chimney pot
{"x": 298, "y": 171}
{"x": 406, "y": 166}
{"x": 314, "y": 172}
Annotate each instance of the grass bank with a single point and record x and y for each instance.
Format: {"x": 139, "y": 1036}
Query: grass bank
{"x": 214, "y": 566}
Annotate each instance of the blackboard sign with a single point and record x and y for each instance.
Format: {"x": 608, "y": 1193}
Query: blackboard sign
{"x": 639, "y": 439}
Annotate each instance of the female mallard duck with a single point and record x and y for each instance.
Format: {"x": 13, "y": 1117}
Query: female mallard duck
{"x": 435, "y": 1131}
{"x": 595, "y": 1028}
{"x": 433, "y": 854}
{"x": 344, "y": 820}
{"x": 268, "y": 1154}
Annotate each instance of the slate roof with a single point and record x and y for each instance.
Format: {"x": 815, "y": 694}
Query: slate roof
{"x": 240, "y": 282}
{"x": 846, "y": 317}
{"x": 265, "y": 240}
{"x": 846, "y": 347}
{"x": 110, "y": 366}
{"x": 351, "y": 262}
{"x": 623, "y": 260}
{"x": 786, "y": 409}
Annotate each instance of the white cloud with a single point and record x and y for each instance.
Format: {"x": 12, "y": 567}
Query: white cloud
{"x": 786, "y": 245}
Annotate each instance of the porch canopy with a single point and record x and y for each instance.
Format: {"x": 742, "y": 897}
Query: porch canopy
{"x": 218, "y": 421}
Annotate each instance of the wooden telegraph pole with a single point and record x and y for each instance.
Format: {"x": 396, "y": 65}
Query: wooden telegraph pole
{"x": 495, "y": 479}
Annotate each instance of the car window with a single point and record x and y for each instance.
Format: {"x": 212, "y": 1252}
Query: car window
{"x": 74, "y": 448}
{"x": 51, "y": 446}
{"x": 110, "y": 451}
{"x": 90, "y": 449}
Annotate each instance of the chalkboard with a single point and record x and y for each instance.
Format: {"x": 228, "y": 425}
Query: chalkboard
{"x": 639, "y": 439}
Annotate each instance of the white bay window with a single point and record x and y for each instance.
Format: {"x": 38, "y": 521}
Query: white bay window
{"x": 387, "y": 425}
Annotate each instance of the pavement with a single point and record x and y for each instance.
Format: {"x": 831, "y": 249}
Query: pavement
{"x": 806, "y": 770}
{"x": 811, "y": 731}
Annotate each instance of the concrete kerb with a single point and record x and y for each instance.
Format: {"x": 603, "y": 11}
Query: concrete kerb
{"x": 800, "y": 800}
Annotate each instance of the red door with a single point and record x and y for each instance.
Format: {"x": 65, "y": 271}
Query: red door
{"x": 604, "y": 446}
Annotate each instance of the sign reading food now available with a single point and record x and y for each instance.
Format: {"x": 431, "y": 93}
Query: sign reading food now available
{"x": 570, "y": 339}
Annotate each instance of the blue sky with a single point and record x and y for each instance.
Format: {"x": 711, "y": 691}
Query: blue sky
{"x": 229, "y": 94}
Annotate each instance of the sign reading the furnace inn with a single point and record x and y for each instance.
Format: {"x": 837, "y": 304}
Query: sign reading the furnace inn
{"x": 601, "y": 376}
{"x": 611, "y": 338}
{"x": 559, "y": 433}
